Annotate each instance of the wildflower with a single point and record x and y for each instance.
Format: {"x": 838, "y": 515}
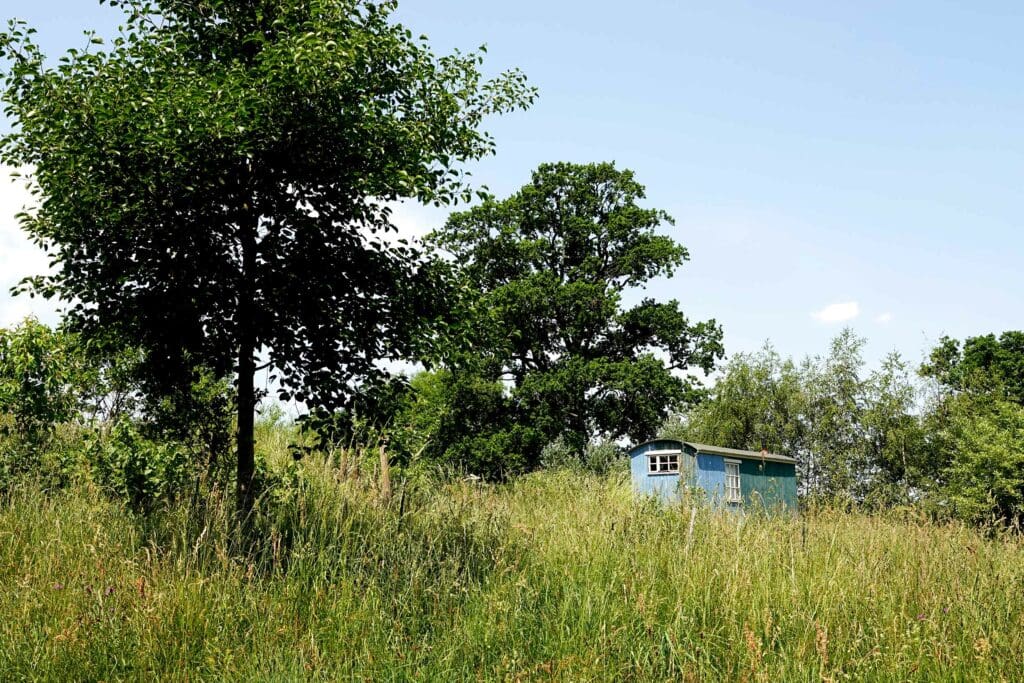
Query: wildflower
{"x": 58, "y": 586}
{"x": 821, "y": 643}
{"x": 753, "y": 646}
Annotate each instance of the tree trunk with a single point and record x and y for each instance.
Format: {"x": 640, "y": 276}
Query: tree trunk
{"x": 385, "y": 474}
{"x": 245, "y": 495}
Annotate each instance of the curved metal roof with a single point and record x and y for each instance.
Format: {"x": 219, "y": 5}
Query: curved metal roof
{"x": 720, "y": 450}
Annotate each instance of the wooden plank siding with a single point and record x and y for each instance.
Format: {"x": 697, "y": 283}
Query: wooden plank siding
{"x": 766, "y": 481}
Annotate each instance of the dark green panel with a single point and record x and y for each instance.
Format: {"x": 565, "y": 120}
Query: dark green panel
{"x": 768, "y": 484}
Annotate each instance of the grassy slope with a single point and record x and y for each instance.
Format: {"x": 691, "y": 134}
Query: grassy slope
{"x": 554, "y": 577}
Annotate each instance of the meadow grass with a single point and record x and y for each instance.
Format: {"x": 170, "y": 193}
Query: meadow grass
{"x": 555, "y": 576}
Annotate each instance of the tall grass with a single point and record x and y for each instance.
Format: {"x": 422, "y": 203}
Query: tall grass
{"x": 557, "y": 576}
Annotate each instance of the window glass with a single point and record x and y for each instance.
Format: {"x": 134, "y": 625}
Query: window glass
{"x": 732, "y": 482}
{"x": 663, "y": 463}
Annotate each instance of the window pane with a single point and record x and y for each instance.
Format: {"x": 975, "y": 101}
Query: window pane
{"x": 732, "y": 482}
{"x": 663, "y": 463}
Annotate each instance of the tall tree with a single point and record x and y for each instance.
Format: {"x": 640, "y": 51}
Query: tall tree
{"x": 835, "y": 406}
{"x": 899, "y": 464}
{"x": 976, "y": 425}
{"x": 550, "y": 265}
{"x": 214, "y": 187}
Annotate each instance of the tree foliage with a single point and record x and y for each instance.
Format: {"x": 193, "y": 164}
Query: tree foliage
{"x": 757, "y": 401}
{"x": 881, "y": 438}
{"x": 855, "y": 436}
{"x": 457, "y": 420}
{"x": 214, "y": 186}
{"x": 44, "y": 378}
{"x": 69, "y": 412}
{"x": 976, "y": 424}
{"x": 984, "y": 363}
{"x": 548, "y": 268}
{"x": 984, "y": 479}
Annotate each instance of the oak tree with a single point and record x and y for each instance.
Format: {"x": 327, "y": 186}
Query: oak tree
{"x": 551, "y": 266}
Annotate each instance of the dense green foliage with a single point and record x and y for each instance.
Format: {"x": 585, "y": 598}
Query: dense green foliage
{"x": 553, "y": 577}
{"x": 984, "y": 472}
{"x": 978, "y": 424}
{"x": 68, "y": 416}
{"x": 213, "y": 187}
{"x": 46, "y": 383}
{"x": 466, "y": 422}
{"x": 43, "y": 380}
{"x": 453, "y": 418}
{"x": 983, "y": 364}
{"x": 547, "y": 270}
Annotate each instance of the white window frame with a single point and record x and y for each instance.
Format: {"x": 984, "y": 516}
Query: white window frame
{"x": 663, "y": 462}
{"x": 733, "y": 487}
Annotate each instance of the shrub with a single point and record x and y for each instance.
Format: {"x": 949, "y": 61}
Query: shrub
{"x": 43, "y": 375}
{"x": 139, "y": 470}
{"x": 600, "y": 457}
{"x": 985, "y": 478}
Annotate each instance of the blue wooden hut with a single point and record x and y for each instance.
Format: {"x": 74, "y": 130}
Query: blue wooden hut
{"x": 727, "y": 476}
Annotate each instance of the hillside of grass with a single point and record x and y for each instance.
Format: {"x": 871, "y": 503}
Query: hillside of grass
{"x": 556, "y": 576}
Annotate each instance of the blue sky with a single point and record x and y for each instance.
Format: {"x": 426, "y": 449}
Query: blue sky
{"x": 827, "y": 163}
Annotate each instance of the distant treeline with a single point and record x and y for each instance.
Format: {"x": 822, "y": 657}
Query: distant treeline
{"x": 948, "y": 436}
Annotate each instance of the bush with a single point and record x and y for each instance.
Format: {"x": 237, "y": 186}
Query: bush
{"x": 43, "y": 378}
{"x": 558, "y": 455}
{"x": 601, "y": 457}
{"x": 139, "y": 470}
{"x": 985, "y": 477}
{"x": 605, "y": 457}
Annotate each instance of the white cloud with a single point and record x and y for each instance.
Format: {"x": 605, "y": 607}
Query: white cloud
{"x": 19, "y": 258}
{"x": 883, "y": 318}
{"x": 838, "y": 313}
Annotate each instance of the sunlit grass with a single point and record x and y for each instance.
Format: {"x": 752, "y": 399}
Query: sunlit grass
{"x": 555, "y": 576}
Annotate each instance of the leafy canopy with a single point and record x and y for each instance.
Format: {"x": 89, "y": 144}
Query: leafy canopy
{"x": 981, "y": 364}
{"x": 550, "y": 266}
{"x": 977, "y": 424}
{"x": 210, "y": 125}
{"x": 984, "y": 479}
